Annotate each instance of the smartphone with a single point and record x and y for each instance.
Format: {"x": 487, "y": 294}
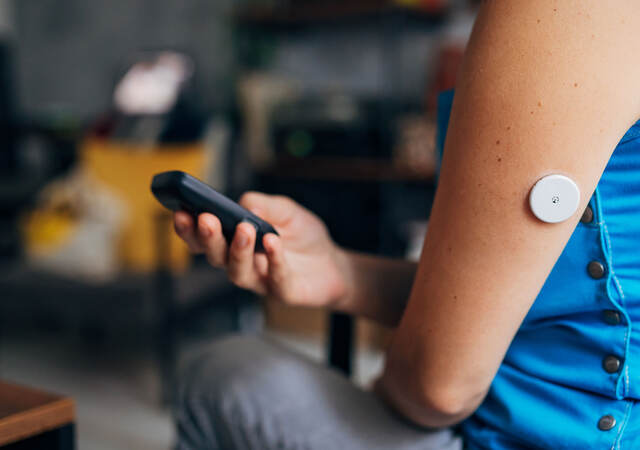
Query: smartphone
{"x": 179, "y": 191}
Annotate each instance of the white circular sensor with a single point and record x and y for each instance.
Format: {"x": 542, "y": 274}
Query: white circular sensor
{"x": 554, "y": 198}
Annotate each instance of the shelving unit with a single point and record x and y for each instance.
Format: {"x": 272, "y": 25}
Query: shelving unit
{"x": 266, "y": 27}
{"x": 346, "y": 169}
{"x": 323, "y": 13}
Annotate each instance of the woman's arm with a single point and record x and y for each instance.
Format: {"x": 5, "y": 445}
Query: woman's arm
{"x": 546, "y": 87}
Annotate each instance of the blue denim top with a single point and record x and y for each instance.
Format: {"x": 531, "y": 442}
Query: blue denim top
{"x": 552, "y": 389}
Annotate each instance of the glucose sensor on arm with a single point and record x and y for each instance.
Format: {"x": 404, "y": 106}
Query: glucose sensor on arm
{"x": 554, "y": 198}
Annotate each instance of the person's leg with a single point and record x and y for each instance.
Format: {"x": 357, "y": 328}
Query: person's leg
{"x": 248, "y": 393}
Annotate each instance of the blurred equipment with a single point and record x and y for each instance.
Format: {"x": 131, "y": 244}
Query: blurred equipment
{"x": 415, "y": 150}
{"x": 155, "y": 102}
{"x": 153, "y": 86}
{"x": 73, "y": 231}
{"x": 330, "y": 126}
{"x": 31, "y": 419}
{"x": 125, "y": 170}
{"x": 258, "y": 94}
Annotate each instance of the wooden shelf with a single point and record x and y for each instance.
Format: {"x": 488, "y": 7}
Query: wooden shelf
{"x": 318, "y": 13}
{"x": 26, "y": 412}
{"x": 345, "y": 169}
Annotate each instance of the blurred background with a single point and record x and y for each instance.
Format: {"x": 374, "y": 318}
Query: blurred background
{"x": 333, "y": 103}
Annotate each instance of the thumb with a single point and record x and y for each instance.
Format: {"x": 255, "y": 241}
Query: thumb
{"x": 275, "y": 209}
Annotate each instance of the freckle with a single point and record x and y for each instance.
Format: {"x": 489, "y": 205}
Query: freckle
{"x": 499, "y": 159}
{"x": 575, "y": 84}
{"x": 554, "y": 9}
{"x": 498, "y": 142}
{"x": 531, "y": 112}
{"x": 554, "y": 124}
{"x": 538, "y": 20}
{"x": 508, "y": 128}
{"x": 455, "y": 297}
{"x": 479, "y": 184}
{"x": 539, "y": 104}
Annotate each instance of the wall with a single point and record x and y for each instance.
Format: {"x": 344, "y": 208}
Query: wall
{"x": 69, "y": 52}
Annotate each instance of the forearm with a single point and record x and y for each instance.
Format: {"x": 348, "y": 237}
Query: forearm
{"x": 377, "y": 288}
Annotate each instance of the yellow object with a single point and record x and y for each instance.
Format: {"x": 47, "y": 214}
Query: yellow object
{"x": 127, "y": 171}
{"x": 407, "y": 2}
{"x": 47, "y": 230}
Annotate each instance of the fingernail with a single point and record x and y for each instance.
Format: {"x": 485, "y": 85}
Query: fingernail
{"x": 267, "y": 243}
{"x": 243, "y": 240}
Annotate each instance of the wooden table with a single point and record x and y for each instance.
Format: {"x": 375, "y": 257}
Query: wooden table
{"x": 31, "y": 419}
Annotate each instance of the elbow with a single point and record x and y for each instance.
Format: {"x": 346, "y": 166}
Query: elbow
{"x": 429, "y": 397}
{"x": 448, "y": 404}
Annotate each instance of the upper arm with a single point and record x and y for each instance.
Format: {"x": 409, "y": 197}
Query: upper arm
{"x": 546, "y": 87}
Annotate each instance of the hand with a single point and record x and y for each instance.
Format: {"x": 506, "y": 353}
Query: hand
{"x": 303, "y": 266}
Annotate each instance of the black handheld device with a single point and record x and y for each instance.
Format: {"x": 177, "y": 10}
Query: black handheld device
{"x": 180, "y": 191}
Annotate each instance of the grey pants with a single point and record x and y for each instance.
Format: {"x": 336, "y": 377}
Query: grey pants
{"x": 250, "y": 393}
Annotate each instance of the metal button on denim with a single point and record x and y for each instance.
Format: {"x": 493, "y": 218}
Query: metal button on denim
{"x": 611, "y": 364}
{"x": 595, "y": 269}
{"x": 611, "y": 316}
{"x": 587, "y": 216}
{"x": 606, "y": 422}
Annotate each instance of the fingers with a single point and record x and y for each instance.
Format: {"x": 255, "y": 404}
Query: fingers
{"x": 245, "y": 268}
{"x": 240, "y": 265}
{"x": 212, "y": 240}
{"x": 184, "y": 226}
{"x": 277, "y": 265}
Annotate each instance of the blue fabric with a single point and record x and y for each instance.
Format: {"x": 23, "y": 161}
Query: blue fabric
{"x": 551, "y": 388}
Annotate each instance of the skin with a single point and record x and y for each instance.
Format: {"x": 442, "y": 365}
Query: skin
{"x": 546, "y": 87}
{"x": 303, "y": 267}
